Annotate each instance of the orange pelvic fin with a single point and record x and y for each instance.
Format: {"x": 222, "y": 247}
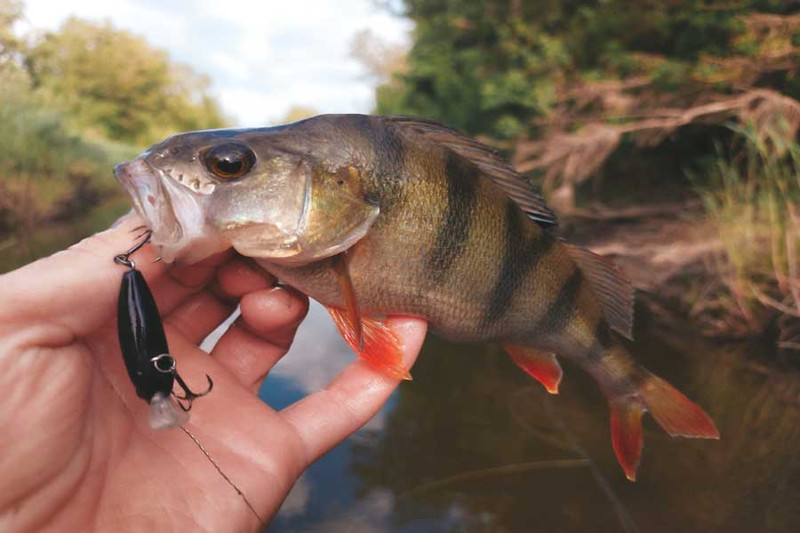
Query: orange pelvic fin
{"x": 379, "y": 347}
{"x": 626, "y": 434}
{"x": 353, "y": 315}
{"x": 543, "y": 366}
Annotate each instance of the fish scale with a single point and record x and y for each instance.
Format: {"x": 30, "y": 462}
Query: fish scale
{"x": 376, "y": 216}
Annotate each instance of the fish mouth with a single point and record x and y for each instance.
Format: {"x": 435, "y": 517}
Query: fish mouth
{"x": 150, "y": 200}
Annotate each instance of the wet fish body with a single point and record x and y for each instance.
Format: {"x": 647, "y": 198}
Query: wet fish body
{"x": 398, "y": 215}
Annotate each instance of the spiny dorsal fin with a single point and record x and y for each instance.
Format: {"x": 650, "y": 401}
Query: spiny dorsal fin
{"x": 526, "y": 195}
{"x": 613, "y": 290}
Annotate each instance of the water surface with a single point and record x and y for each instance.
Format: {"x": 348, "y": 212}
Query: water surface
{"x": 473, "y": 444}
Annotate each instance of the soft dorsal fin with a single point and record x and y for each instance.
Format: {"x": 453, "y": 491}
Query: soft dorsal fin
{"x": 614, "y": 291}
{"x": 526, "y": 195}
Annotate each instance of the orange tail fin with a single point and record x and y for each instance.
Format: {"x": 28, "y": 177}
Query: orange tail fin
{"x": 543, "y": 366}
{"x": 674, "y": 412}
{"x": 379, "y": 347}
{"x": 626, "y": 434}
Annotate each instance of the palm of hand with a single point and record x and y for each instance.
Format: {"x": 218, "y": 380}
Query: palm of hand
{"x": 76, "y": 451}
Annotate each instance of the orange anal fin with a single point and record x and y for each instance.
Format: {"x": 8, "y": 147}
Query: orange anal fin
{"x": 626, "y": 434}
{"x": 351, "y": 313}
{"x": 379, "y": 348}
{"x": 542, "y": 366}
{"x": 674, "y": 412}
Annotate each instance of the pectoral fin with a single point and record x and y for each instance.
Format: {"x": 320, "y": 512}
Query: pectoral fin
{"x": 541, "y": 365}
{"x": 351, "y": 313}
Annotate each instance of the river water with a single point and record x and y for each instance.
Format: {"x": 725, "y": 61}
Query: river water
{"x": 473, "y": 444}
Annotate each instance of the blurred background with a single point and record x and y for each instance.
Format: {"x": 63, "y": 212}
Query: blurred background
{"x": 664, "y": 134}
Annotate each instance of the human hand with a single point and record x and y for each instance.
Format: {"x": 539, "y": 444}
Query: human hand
{"x": 76, "y": 451}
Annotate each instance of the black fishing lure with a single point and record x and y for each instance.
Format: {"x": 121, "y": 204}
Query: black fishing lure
{"x": 144, "y": 348}
{"x": 150, "y": 366}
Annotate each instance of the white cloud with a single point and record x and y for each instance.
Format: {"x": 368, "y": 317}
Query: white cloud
{"x": 262, "y": 57}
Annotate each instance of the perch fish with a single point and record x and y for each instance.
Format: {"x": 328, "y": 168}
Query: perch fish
{"x": 374, "y": 216}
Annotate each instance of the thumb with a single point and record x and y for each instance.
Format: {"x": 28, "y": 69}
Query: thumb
{"x": 78, "y": 287}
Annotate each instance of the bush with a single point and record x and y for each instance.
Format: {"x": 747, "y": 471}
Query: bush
{"x": 754, "y": 201}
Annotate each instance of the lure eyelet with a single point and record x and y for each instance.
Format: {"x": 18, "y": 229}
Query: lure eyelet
{"x": 164, "y": 363}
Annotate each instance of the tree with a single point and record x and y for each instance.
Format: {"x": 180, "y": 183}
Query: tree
{"x": 505, "y": 67}
{"x": 10, "y": 44}
{"x": 116, "y": 85}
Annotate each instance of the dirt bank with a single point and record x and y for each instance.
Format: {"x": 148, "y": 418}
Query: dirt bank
{"x": 669, "y": 252}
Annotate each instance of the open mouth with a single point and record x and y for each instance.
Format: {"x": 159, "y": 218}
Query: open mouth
{"x": 150, "y": 200}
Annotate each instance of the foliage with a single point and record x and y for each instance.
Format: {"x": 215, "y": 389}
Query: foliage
{"x": 10, "y": 44}
{"x": 67, "y": 99}
{"x": 73, "y": 103}
{"x": 496, "y": 67}
{"x": 115, "y": 85}
{"x": 46, "y": 171}
{"x": 754, "y": 201}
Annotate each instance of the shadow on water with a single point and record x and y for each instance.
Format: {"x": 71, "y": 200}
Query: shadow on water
{"x": 473, "y": 444}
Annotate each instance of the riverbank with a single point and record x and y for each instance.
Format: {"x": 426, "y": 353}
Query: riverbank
{"x": 672, "y": 253}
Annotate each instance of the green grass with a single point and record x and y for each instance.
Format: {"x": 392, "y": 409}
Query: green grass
{"x": 753, "y": 198}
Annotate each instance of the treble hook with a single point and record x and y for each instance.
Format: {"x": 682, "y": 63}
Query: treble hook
{"x": 124, "y": 259}
{"x": 188, "y": 395}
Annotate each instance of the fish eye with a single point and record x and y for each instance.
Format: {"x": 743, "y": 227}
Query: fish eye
{"x": 229, "y": 161}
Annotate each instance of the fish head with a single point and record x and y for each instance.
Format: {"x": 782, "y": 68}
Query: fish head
{"x": 259, "y": 192}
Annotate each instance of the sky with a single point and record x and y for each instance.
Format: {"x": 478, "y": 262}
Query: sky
{"x": 263, "y": 57}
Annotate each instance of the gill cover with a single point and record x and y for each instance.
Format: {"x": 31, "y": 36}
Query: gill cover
{"x": 308, "y": 214}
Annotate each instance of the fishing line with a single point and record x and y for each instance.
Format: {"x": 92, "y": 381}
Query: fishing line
{"x": 221, "y": 473}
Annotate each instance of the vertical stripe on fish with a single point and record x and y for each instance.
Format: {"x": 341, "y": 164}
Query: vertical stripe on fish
{"x": 521, "y": 255}
{"x": 558, "y": 313}
{"x": 388, "y": 167}
{"x": 456, "y": 224}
